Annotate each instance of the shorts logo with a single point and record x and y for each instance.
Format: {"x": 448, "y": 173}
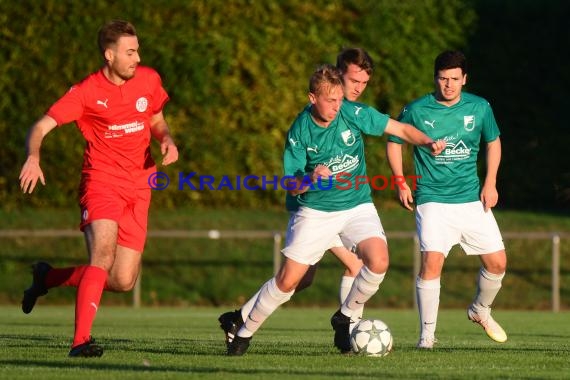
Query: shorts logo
{"x": 142, "y": 104}
{"x": 469, "y": 122}
{"x": 348, "y": 137}
{"x": 85, "y": 215}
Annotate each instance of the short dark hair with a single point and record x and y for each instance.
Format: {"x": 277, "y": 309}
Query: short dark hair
{"x": 356, "y": 56}
{"x": 450, "y": 59}
{"x": 324, "y": 78}
{"x": 110, "y": 33}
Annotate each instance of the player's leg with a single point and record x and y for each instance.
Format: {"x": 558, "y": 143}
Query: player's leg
{"x": 101, "y": 239}
{"x": 437, "y": 235}
{"x": 307, "y": 279}
{"x": 272, "y": 294}
{"x": 489, "y": 283}
{"x": 353, "y": 264}
{"x": 481, "y": 236}
{"x": 307, "y": 240}
{"x": 363, "y": 229}
{"x": 427, "y": 294}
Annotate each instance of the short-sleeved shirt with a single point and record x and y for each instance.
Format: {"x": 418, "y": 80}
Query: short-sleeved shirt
{"x": 340, "y": 147}
{"x": 450, "y": 177}
{"x": 115, "y": 122}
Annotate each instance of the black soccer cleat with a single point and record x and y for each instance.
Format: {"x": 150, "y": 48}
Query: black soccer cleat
{"x": 341, "y": 325}
{"x": 88, "y": 349}
{"x": 38, "y": 287}
{"x": 230, "y": 322}
{"x": 238, "y": 346}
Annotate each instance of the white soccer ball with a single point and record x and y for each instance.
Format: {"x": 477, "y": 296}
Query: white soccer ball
{"x": 371, "y": 337}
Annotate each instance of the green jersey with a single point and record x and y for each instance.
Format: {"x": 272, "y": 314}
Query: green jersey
{"x": 450, "y": 177}
{"x": 340, "y": 147}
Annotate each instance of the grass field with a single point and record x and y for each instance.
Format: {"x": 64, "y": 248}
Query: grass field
{"x": 295, "y": 343}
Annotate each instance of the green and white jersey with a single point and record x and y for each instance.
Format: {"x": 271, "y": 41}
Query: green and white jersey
{"x": 340, "y": 147}
{"x": 450, "y": 177}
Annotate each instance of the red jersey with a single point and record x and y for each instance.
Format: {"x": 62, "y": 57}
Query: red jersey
{"x": 115, "y": 122}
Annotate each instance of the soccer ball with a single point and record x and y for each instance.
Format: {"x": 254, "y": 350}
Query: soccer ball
{"x": 371, "y": 337}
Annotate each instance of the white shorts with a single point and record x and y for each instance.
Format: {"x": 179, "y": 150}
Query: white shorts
{"x": 311, "y": 232}
{"x": 440, "y": 226}
{"x": 336, "y": 242}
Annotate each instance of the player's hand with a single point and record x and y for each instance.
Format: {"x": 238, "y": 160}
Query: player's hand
{"x": 30, "y": 174}
{"x": 489, "y": 197}
{"x": 169, "y": 151}
{"x": 405, "y": 195}
{"x": 320, "y": 171}
{"x": 436, "y": 147}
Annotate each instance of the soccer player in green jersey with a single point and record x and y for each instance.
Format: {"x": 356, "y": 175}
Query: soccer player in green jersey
{"x": 356, "y": 67}
{"x": 451, "y": 205}
{"x": 324, "y": 160}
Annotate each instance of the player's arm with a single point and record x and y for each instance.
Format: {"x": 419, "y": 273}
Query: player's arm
{"x": 489, "y": 194}
{"x": 31, "y": 171}
{"x": 160, "y": 131}
{"x": 414, "y": 136}
{"x": 394, "y": 155}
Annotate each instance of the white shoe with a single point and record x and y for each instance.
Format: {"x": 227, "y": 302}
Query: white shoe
{"x": 491, "y": 327}
{"x": 426, "y": 343}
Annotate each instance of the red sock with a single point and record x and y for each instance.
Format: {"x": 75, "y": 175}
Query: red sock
{"x": 66, "y": 277}
{"x": 87, "y": 301}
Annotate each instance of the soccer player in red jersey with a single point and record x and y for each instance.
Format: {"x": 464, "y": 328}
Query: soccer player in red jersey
{"x": 117, "y": 109}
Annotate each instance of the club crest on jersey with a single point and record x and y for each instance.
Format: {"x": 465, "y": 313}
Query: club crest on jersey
{"x": 142, "y": 104}
{"x": 469, "y": 122}
{"x": 348, "y": 137}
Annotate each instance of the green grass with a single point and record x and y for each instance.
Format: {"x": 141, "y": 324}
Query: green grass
{"x": 295, "y": 343}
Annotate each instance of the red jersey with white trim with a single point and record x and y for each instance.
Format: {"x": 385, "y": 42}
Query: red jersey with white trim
{"x": 115, "y": 122}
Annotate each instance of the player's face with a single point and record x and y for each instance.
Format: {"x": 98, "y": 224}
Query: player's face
{"x": 125, "y": 57}
{"x": 354, "y": 82}
{"x": 326, "y": 104}
{"x": 448, "y": 85}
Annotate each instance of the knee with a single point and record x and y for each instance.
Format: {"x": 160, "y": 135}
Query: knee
{"x": 120, "y": 285}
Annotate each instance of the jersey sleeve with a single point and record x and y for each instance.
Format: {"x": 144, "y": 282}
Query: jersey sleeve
{"x": 294, "y": 156}
{"x": 159, "y": 94}
{"x": 368, "y": 119}
{"x": 69, "y": 107}
{"x": 490, "y": 130}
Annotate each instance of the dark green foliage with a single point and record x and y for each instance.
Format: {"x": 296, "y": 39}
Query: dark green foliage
{"x": 237, "y": 74}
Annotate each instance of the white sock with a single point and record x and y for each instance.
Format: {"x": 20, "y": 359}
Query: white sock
{"x": 269, "y": 299}
{"x": 365, "y": 285}
{"x": 488, "y": 286}
{"x": 427, "y": 292}
{"x": 246, "y": 308}
{"x": 345, "y": 286}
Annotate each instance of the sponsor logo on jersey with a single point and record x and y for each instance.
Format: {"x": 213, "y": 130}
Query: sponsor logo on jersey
{"x": 115, "y": 131}
{"x": 142, "y": 104}
{"x": 469, "y": 122}
{"x": 345, "y": 163}
{"x": 348, "y": 137}
{"x": 457, "y": 151}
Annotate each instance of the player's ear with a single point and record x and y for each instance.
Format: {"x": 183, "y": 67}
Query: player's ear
{"x": 464, "y": 79}
{"x": 312, "y": 98}
{"x": 109, "y": 55}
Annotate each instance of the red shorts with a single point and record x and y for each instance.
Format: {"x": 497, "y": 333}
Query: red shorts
{"x": 126, "y": 206}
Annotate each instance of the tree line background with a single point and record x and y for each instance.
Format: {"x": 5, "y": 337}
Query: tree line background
{"x": 237, "y": 73}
